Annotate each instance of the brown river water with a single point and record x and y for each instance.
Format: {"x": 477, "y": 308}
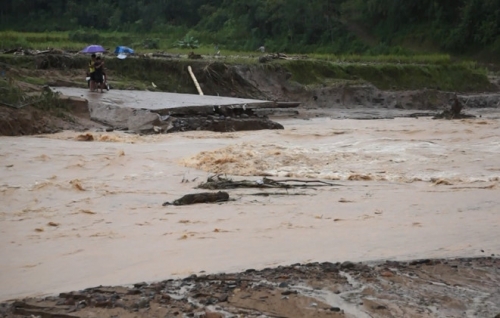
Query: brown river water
{"x": 79, "y": 214}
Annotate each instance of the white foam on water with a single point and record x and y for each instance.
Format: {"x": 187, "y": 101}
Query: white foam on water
{"x": 412, "y": 156}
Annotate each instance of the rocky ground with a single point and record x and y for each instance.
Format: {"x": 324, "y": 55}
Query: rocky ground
{"x": 420, "y": 288}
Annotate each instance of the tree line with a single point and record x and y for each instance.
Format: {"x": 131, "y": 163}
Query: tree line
{"x": 338, "y": 26}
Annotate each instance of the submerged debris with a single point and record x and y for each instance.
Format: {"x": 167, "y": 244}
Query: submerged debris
{"x": 204, "y": 197}
{"x": 222, "y": 123}
{"x": 455, "y": 112}
{"x": 217, "y": 182}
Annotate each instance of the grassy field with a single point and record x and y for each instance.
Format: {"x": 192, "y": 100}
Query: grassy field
{"x": 72, "y": 42}
{"x": 435, "y": 71}
{"x": 168, "y": 43}
{"x": 387, "y": 76}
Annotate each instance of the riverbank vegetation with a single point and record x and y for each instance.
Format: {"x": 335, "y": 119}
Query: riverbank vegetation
{"x": 171, "y": 74}
{"x": 377, "y": 27}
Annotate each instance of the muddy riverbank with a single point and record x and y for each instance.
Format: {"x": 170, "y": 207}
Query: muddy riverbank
{"x": 420, "y": 288}
{"x": 320, "y": 87}
{"x": 94, "y": 111}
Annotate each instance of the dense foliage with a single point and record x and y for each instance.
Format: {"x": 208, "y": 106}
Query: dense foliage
{"x": 455, "y": 25}
{"x": 336, "y": 26}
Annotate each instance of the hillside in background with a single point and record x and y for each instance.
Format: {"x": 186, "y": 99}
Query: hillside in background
{"x": 459, "y": 27}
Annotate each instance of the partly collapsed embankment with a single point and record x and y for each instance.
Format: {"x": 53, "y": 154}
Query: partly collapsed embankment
{"x": 247, "y": 78}
{"x": 315, "y": 84}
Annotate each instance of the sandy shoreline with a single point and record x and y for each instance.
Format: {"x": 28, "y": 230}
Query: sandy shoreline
{"x": 81, "y": 214}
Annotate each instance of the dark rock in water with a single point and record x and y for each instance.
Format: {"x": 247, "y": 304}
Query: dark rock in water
{"x": 380, "y": 307}
{"x": 204, "y": 197}
{"x": 245, "y": 123}
{"x": 457, "y": 106}
{"x": 347, "y": 265}
{"x": 455, "y": 112}
{"x": 450, "y": 115}
{"x": 139, "y": 285}
{"x": 329, "y": 267}
{"x": 289, "y": 292}
{"x": 420, "y": 262}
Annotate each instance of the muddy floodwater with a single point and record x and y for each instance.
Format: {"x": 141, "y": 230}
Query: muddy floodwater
{"x": 77, "y": 214}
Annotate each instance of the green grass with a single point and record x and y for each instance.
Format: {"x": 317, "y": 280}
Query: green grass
{"x": 171, "y": 74}
{"x": 435, "y": 71}
{"x": 61, "y": 40}
{"x": 435, "y": 59}
{"x": 12, "y": 39}
{"x": 33, "y": 80}
{"x": 456, "y": 77}
{"x": 34, "y": 36}
{"x": 12, "y": 94}
{"x": 42, "y": 41}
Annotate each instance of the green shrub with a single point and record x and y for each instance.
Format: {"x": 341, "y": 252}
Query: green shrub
{"x": 188, "y": 43}
{"x": 10, "y": 93}
{"x": 13, "y": 95}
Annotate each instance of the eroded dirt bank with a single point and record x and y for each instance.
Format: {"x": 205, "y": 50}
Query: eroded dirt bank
{"x": 318, "y": 86}
{"x": 421, "y": 288}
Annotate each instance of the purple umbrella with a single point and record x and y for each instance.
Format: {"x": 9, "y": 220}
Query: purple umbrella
{"x": 93, "y": 49}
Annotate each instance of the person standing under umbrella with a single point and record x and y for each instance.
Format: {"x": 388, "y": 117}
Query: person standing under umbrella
{"x": 98, "y": 74}
{"x": 91, "y": 72}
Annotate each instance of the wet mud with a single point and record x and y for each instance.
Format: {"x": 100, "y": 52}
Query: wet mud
{"x": 420, "y": 288}
{"x": 32, "y": 121}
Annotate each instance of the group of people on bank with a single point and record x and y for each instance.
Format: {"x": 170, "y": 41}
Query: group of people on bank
{"x": 96, "y": 74}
